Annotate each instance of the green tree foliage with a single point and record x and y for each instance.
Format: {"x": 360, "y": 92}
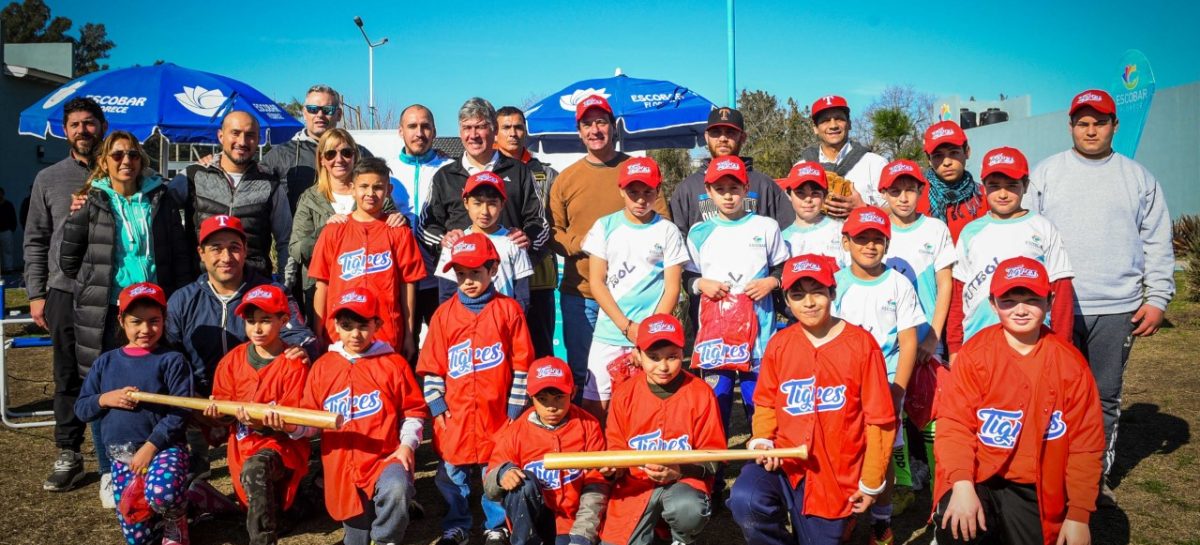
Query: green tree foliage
{"x": 915, "y": 105}
{"x": 895, "y": 134}
{"x": 675, "y": 164}
{"x": 775, "y": 132}
{"x": 31, "y": 22}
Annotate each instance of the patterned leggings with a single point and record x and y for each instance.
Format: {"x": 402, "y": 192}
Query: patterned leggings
{"x": 164, "y": 491}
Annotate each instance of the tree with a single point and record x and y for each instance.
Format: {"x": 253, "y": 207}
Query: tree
{"x": 295, "y": 108}
{"x": 775, "y": 133}
{"x": 31, "y": 22}
{"x": 917, "y": 106}
{"x": 895, "y": 134}
{"x": 674, "y": 164}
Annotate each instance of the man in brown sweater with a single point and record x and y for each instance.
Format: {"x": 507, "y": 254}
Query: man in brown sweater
{"x": 583, "y": 193}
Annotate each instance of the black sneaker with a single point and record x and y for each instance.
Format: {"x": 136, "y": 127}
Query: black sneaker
{"x": 496, "y": 536}
{"x": 416, "y": 511}
{"x": 454, "y": 536}
{"x": 68, "y": 471}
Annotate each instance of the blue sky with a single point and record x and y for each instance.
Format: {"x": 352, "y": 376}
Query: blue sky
{"x": 442, "y": 52}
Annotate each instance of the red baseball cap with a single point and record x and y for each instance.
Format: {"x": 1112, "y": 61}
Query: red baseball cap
{"x": 357, "y": 300}
{"x": 1096, "y": 99}
{"x": 829, "y": 101}
{"x": 485, "y": 178}
{"x": 594, "y": 101}
{"x": 729, "y": 165}
{"x": 816, "y": 267}
{"x": 806, "y": 171}
{"x": 1007, "y": 161}
{"x": 472, "y": 251}
{"x": 946, "y": 132}
{"x": 268, "y": 298}
{"x": 898, "y": 169}
{"x": 865, "y": 218}
{"x": 640, "y": 169}
{"x": 1020, "y": 272}
{"x": 221, "y": 222}
{"x": 659, "y": 327}
{"x": 549, "y": 372}
{"x": 139, "y": 291}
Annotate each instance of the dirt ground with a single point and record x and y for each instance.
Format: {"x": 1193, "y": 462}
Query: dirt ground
{"x": 1156, "y": 477}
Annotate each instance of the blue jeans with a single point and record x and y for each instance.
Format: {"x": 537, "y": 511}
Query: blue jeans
{"x": 761, "y": 503}
{"x": 455, "y": 485}
{"x": 722, "y": 385}
{"x": 579, "y": 324}
{"x": 385, "y": 516}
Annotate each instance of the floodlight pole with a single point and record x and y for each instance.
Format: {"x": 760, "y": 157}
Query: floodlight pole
{"x": 370, "y": 69}
{"x": 732, "y": 67}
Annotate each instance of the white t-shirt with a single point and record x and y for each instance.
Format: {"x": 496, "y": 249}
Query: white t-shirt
{"x": 736, "y": 252}
{"x": 824, "y": 238}
{"x": 883, "y": 306}
{"x": 987, "y": 241}
{"x": 236, "y": 177}
{"x": 343, "y": 204}
{"x": 918, "y": 252}
{"x": 637, "y": 255}
{"x": 514, "y": 265}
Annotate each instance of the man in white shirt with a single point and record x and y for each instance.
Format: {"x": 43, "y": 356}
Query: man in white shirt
{"x": 848, "y": 159}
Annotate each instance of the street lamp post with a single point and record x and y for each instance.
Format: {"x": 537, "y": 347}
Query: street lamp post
{"x": 370, "y": 69}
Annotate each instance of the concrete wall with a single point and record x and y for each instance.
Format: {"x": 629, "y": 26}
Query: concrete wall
{"x": 23, "y": 156}
{"x": 1170, "y": 145}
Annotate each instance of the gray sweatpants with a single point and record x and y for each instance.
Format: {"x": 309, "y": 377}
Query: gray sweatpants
{"x": 1105, "y": 341}
{"x": 685, "y": 510}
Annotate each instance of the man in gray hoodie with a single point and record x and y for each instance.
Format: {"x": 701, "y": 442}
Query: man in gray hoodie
{"x": 1113, "y": 218}
{"x": 50, "y": 293}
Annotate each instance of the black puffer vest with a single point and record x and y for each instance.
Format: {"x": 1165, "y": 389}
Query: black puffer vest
{"x": 212, "y": 194}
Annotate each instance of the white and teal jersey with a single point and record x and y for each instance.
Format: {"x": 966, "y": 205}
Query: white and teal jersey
{"x": 824, "y": 238}
{"x": 736, "y": 252}
{"x": 637, "y": 254}
{"x": 514, "y": 264}
{"x": 987, "y": 241}
{"x": 884, "y": 307}
{"x": 918, "y": 252}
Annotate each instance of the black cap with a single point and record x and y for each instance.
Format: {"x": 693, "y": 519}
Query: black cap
{"x": 727, "y": 117}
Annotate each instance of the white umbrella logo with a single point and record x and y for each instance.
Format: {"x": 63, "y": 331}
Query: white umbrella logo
{"x": 62, "y": 94}
{"x": 568, "y": 102}
{"x": 201, "y": 101}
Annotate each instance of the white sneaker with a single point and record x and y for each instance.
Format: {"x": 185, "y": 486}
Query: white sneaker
{"x": 106, "y": 491}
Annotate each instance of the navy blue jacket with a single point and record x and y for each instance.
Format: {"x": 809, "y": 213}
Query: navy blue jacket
{"x": 205, "y": 329}
{"x": 162, "y": 371}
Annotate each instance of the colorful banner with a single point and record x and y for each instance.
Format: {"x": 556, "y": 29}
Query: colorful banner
{"x": 1133, "y": 92}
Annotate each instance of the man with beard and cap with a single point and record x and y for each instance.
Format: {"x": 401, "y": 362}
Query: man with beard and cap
{"x": 725, "y": 135}
{"x": 294, "y": 162}
{"x": 510, "y": 141}
{"x": 51, "y": 299}
{"x": 234, "y": 183}
{"x": 844, "y": 157}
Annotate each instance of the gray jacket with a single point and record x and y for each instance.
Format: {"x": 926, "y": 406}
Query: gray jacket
{"x": 294, "y": 164}
{"x": 690, "y": 203}
{"x": 49, "y": 206}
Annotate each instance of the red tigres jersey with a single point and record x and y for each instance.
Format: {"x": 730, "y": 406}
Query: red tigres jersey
{"x": 824, "y": 397}
{"x": 524, "y": 444}
{"x": 638, "y": 420}
{"x": 368, "y": 255}
{"x": 374, "y": 394}
{"x": 476, "y": 354}
{"x": 281, "y": 381}
{"x": 989, "y": 406}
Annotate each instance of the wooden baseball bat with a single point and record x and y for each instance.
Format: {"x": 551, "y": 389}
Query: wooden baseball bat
{"x": 634, "y": 458}
{"x": 291, "y": 415}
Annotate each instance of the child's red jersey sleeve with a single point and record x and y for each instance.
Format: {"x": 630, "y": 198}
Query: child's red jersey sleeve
{"x": 432, "y": 358}
{"x": 955, "y": 446}
{"x": 224, "y": 386}
{"x": 768, "y": 372}
{"x": 954, "y": 319}
{"x": 291, "y": 387}
{"x": 1085, "y": 430}
{"x": 412, "y": 401}
{"x": 323, "y": 254}
{"x": 522, "y": 345}
{"x": 594, "y": 442}
{"x": 1062, "y": 310}
{"x": 709, "y": 431}
{"x": 505, "y": 451}
{"x": 408, "y": 264}
{"x": 876, "y": 395}
{"x": 314, "y": 387}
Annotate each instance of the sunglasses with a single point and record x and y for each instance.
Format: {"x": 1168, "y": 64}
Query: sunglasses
{"x": 327, "y": 110}
{"x": 346, "y": 153}
{"x": 119, "y": 155}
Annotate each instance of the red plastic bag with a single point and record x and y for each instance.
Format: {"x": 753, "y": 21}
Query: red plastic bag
{"x": 133, "y": 506}
{"x": 921, "y": 398}
{"x": 623, "y": 368}
{"x": 728, "y": 331}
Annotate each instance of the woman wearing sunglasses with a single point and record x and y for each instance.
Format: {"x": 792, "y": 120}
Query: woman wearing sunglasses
{"x": 330, "y": 200}
{"x": 129, "y": 230}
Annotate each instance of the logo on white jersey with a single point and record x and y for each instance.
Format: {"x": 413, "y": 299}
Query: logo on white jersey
{"x": 715, "y": 353}
{"x": 1001, "y": 159}
{"x": 551, "y": 479}
{"x": 805, "y": 397}
{"x": 1088, "y": 97}
{"x": 999, "y": 428}
{"x": 637, "y": 168}
{"x": 654, "y": 441}
{"x": 1057, "y": 427}
{"x": 1020, "y": 271}
{"x": 462, "y": 360}
{"x": 804, "y": 266}
{"x": 353, "y": 407}
{"x": 549, "y": 371}
{"x": 358, "y": 263}
{"x": 900, "y": 167}
{"x": 660, "y": 327}
{"x": 728, "y": 165}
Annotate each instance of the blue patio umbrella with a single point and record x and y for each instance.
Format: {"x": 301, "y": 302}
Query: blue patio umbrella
{"x": 650, "y": 114}
{"x": 184, "y": 105}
